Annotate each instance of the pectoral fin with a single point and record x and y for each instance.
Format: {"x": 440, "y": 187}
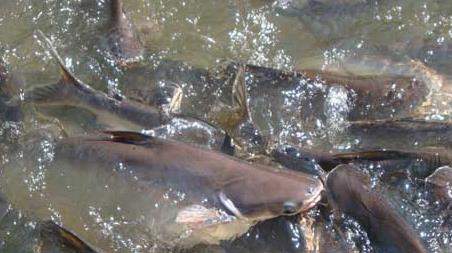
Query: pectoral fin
{"x": 198, "y": 216}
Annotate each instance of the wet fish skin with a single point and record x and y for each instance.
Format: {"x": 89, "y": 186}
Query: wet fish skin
{"x": 374, "y": 96}
{"x": 351, "y": 193}
{"x": 123, "y": 40}
{"x": 405, "y": 130}
{"x": 212, "y": 184}
{"x": 304, "y": 159}
{"x": 220, "y": 171}
{"x": 431, "y": 158}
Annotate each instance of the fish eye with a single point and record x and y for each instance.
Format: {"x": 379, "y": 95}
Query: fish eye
{"x": 289, "y": 208}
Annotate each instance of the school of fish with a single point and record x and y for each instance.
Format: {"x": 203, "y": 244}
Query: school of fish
{"x": 159, "y": 176}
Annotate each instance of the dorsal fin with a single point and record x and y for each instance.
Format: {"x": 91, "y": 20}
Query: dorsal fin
{"x": 129, "y": 137}
{"x": 67, "y": 76}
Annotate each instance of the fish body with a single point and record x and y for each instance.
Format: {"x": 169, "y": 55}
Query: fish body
{"x": 428, "y": 158}
{"x": 407, "y": 131}
{"x": 372, "y": 96}
{"x": 71, "y": 91}
{"x": 308, "y": 160}
{"x": 351, "y": 193}
{"x": 169, "y": 193}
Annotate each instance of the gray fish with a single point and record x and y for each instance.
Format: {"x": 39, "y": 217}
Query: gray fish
{"x": 189, "y": 195}
{"x": 428, "y": 158}
{"x": 307, "y": 160}
{"x": 373, "y": 96}
{"x": 71, "y": 91}
{"x": 406, "y": 131}
{"x": 123, "y": 41}
{"x": 351, "y": 193}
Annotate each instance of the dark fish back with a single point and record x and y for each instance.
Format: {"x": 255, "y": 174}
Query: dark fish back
{"x": 351, "y": 192}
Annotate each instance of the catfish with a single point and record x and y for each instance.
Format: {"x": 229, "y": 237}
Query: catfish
{"x": 351, "y": 193}
{"x": 371, "y": 96}
{"x": 407, "y": 131}
{"x": 120, "y": 112}
{"x": 169, "y": 194}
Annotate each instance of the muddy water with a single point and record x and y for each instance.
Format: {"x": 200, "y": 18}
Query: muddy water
{"x": 349, "y": 36}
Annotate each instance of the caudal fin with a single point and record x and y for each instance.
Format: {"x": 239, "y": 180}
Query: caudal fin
{"x": 54, "y": 93}
{"x": 67, "y": 76}
{"x": 52, "y": 233}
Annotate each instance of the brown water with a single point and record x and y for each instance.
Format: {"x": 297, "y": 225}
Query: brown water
{"x": 349, "y": 36}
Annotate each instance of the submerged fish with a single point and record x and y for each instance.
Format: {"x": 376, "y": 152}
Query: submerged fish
{"x": 351, "y": 193}
{"x": 407, "y": 131}
{"x": 123, "y": 41}
{"x": 71, "y": 91}
{"x": 166, "y": 193}
{"x": 307, "y": 160}
{"x": 371, "y": 96}
{"x": 426, "y": 159}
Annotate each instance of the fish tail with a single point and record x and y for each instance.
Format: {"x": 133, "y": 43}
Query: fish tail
{"x": 51, "y": 232}
{"x": 60, "y": 92}
{"x": 67, "y": 75}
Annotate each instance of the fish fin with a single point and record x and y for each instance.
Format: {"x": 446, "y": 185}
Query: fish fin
{"x": 50, "y": 229}
{"x": 129, "y": 137}
{"x": 67, "y": 76}
{"x": 198, "y": 216}
{"x": 40, "y": 94}
{"x": 4, "y": 207}
{"x": 374, "y": 155}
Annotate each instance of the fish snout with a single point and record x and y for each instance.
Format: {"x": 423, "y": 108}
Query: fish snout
{"x": 312, "y": 196}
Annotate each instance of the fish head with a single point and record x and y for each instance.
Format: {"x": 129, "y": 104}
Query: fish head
{"x": 271, "y": 194}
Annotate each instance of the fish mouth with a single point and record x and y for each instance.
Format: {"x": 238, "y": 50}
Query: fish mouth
{"x": 312, "y": 201}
